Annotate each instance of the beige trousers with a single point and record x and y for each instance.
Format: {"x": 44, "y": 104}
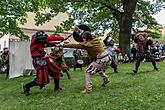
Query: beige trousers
{"x": 98, "y": 66}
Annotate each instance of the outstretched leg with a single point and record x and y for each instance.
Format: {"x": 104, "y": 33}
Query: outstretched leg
{"x": 153, "y": 63}
{"x": 88, "y": 78}
{"x": 104, "y": 76}
{"x": 26, "y": 87}
{"x": 68, "y": 75}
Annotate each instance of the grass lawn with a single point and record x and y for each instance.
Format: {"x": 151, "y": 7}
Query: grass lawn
{"x": 145, "y": 91}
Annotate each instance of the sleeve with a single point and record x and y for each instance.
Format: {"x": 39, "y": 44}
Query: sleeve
{"x": 54, "y": 38}
{"x": 50, "y": 41}
{"x": 87, "y": 44}
{"x": 50, "y": 44}
{"x": 73, "y": 46}
{"x": 106, "y": 41}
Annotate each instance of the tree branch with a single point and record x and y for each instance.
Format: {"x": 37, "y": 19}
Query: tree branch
{"x": 73, "y": 1}
{"x": 102, "y": 3}
{"x": 117, "y": 14}
{"x": 108, "y": 6}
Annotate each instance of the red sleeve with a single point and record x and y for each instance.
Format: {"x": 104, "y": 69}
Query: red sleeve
{"x": 54, "y": 38}
{"x": 50, "y": 44}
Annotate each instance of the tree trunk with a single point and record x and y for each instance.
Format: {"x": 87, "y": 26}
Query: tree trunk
{"x": 125, "y": 25}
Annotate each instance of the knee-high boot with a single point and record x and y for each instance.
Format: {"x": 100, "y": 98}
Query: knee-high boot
{"x": 57, "y": 84}
{"x": 137, "y": 66}
{"x": 26, "y": 87}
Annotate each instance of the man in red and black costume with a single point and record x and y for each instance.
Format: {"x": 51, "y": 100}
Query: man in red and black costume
{"x": 43, "y": 66}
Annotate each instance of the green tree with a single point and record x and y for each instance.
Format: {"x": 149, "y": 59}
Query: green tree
{"x": 118, "y": 15}
{"x": 13, "y": 12}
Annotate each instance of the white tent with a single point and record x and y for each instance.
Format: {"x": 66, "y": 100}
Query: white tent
{"x": 20, "y": 58}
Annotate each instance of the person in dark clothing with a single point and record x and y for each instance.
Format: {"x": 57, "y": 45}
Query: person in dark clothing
{"x": 77, "y": 57}
{"x": 133, "y": 52}
{"x": 5, "y": 59}
{"x": 143, "y": 50}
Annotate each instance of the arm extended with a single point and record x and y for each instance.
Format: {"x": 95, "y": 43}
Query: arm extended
{"x": 50, "y": 41}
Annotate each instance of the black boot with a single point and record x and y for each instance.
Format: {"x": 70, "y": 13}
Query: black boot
{"x": 156, "y": 69}
{"x": 154, "y": 65}
{"x": 25, "y": 90}
{"x": 134, "y": 71}
{"x": 26, "y": 87}
{"x": 137, "y": 66}
{"x": 57, "y": 84}
{"x": 115, "y": 70}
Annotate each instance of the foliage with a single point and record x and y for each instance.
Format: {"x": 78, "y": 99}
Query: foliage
{"x": 143, "y": 16}
{"x": 118, "y": 16}
{"x": 12, "y": 13}
{"x": 144, "y": 91}
{"x": 154, "y": 34}
{"x": 99, "y": 14}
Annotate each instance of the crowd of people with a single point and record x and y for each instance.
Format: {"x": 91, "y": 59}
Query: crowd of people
{"x": 158, "y": 52}
{"x": 145, "y": 50}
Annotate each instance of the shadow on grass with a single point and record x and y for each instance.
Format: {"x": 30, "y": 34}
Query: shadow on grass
{"x": 139, "y": 72}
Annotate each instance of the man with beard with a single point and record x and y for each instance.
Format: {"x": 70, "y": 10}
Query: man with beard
{"x": 99, "y": 57}
{"x": 144, "y": 47}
